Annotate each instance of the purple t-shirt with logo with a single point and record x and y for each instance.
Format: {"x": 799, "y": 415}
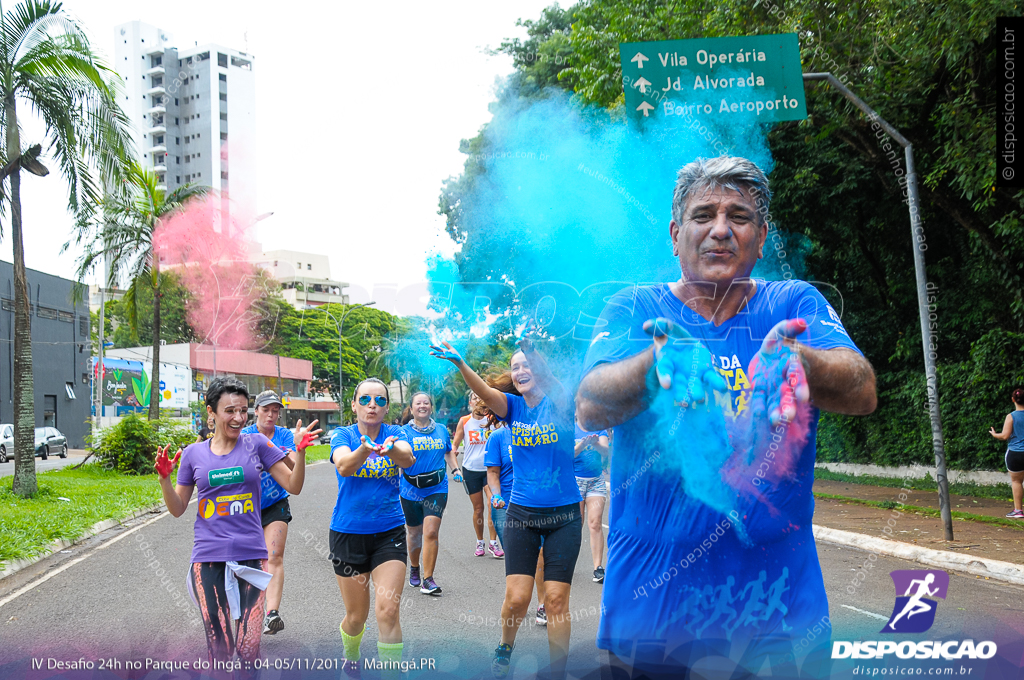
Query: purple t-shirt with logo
{"x": 228, "y": 525}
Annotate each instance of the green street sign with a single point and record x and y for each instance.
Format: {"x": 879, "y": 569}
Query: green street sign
{"x": 747, "y": 79}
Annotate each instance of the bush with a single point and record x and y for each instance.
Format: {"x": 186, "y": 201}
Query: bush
{"x": 974, "y": 395}
{"x": 130, "y": 446}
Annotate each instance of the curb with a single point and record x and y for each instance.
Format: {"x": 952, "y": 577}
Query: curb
{"x": 14, "y": 567}
{"x": 1007, "y": 572}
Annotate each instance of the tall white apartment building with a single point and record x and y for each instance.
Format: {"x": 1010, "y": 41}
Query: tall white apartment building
{"x": 193, "y": 112}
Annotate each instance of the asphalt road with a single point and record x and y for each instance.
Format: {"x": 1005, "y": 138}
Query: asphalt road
{"x": 105, "y": 599}
{"x": 52, "y": 462}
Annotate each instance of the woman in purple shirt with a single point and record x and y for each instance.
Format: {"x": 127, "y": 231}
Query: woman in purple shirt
{"x": 229, "y": 556}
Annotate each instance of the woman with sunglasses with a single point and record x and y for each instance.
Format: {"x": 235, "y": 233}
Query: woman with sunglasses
{"x": 545, "y": 503}
{"x": 424, "y": 490}
{"x": 368, "y": 528}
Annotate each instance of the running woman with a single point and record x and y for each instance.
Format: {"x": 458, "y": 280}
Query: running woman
{"x": 591, "y": 458}
{"x": 424, "y": 490}
{"x": 500, "y": 475}
{"x": 545, "y": 503}
{"x": 472, "y": 432}
{"x": 368, "y": 528}
{"x": 274, "y": 508}
{"x": 229, "y": 555}
{"x": 1013, "y": 434}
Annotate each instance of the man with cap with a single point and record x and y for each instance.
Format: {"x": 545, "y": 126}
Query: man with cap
{"x": 274, "y": 502}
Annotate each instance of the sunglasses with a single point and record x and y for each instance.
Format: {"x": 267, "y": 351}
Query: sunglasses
{"x": 365, "y": 400}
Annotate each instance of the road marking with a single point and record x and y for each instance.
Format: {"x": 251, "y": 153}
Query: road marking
{"x": 24, "y": 589}
{"x": 877, "y": 616}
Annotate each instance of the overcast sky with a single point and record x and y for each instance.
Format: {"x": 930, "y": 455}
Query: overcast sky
{"x": 360, "y": 108}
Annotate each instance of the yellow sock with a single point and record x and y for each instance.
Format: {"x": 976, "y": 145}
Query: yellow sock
{"x": 390, "y": 653}
{"x": 351, "y": 643}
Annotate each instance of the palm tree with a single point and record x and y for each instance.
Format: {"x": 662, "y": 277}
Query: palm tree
{"x": 46, "y": 63}
{"x": 125, "y": 240}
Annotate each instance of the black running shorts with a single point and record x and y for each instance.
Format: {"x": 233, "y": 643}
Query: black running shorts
{"x": 354, "y": 554}
{"x": 559, "y": 530}
{"x": 1014, "y": 461}
{"x": 473, "y": 481}
{"x": 431, "y": 506}
{"x": 280, "y": 511}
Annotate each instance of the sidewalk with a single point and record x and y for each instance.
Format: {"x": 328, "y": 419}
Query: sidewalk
{"x": 1005, "y": 543}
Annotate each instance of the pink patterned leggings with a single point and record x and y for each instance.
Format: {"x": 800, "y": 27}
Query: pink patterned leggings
{"x": 223, "y": 636}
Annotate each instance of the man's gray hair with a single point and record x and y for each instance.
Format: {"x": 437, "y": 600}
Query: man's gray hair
{"x": 728, "y": 172}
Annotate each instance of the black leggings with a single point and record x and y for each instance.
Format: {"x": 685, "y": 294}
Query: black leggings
{"x": 559, "y": 530}
{"x": 223, "y": 636}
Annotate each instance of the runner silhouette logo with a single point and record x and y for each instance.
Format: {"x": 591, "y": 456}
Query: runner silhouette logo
{"x": 915, "y": 610}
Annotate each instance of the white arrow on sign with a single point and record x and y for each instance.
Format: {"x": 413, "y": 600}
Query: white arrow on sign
{"x": 640, "y": 59}
{"x": 645, "y": 107}
{"x": 643, "y": 84}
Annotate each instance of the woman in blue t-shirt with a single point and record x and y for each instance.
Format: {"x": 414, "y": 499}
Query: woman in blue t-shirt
{"x": 545, "y": 503}
{"x": 1013, "y": 434}
{"x": 368, "y": 529}
{"x": 424, "y": 490}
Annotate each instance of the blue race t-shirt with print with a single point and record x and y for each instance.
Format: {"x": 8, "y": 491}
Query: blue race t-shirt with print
{"x": 542, "y": 452}
{"x": 270, "y": 491}
{"x": 499, "y": 454}
{"x": 368, "y": 500}
{"x": 429, "y": 449}
{"x": 715, "y": 587}
{"x": 587, "y": 464}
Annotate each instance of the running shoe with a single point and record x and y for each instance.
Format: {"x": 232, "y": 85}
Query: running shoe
{"x": 599, "y": 575}
{"x": 542, "y": 617}
{"x": 502, "y": 661}
{"x": 429, "y": 587}
{"x": 496, "y": 551}
{"x": 479, "y": 549}
{"x": 272, "y": 622}
{"x": 414, "y": 576}
{"x": 1016, "y": 514}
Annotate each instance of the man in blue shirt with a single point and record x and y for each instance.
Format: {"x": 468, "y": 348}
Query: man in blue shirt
{"x": 702, "y": 564}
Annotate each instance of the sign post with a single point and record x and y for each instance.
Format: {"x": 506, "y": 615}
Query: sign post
{"x": 754, "y": 78}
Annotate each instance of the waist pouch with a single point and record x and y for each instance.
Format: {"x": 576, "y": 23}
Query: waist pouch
{"x": 426, "y": 479}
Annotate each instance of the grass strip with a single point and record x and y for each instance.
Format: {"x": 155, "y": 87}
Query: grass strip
{"x": 931, "y": 512}
{"x": 29, "y": 525}
{"x": 318, "y": 452}
{"x": 1000, "y": 492}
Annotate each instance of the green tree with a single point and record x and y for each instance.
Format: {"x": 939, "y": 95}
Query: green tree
{"x": 925, "y": 69}
{"x": 123, "y": 238}
{"x": 47, "y": 64}
{"x": 174, "y": 324}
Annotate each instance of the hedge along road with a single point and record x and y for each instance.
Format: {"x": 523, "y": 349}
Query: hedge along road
{"x": 128, "y": 600}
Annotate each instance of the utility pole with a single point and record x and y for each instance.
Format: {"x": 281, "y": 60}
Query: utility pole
{"x": 917, "y": 239}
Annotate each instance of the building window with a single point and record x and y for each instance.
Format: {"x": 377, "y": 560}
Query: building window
{"x": 8, "y": 305}
{"x": 177, "y": 160}
{"x": 159, "y": 139}
{"x": 46, "y": 313}
{"x": 83, "y": 326}
{"x": 223, "y": 175}
{"x": 241, "y": 63}
{"x": 223, "y": 136}
{"x": 156, "y": 61}
{"x": 177, "y": 140}
{"x": 223, "y": 96}
{"x": 223, "y": 116}
{"x": 223, "y": 77}
{"x": 176, "y": 121}
{"x": 275, "y": 263}
{"x": 158, "y": 81}
{"x": 177, "y": 178}
{"x": 66, "y": 317}
{"x": 299, "y": 265}
{"x": 309, "y": 266}
{"x": 222, "y": 60}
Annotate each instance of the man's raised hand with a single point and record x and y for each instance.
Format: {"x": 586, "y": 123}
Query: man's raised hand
{"x": 685, "y": 367}
{"x": 777, "y": 374}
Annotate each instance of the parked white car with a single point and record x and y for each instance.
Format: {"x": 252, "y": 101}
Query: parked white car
{"x": 6, "y": 441}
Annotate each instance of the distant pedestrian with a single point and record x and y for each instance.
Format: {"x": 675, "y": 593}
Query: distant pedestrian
{"x": 206, "y": 432}
{"x": 1013, "y": 434}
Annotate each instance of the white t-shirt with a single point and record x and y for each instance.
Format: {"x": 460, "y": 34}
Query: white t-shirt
{"x": 475, "y": 432}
